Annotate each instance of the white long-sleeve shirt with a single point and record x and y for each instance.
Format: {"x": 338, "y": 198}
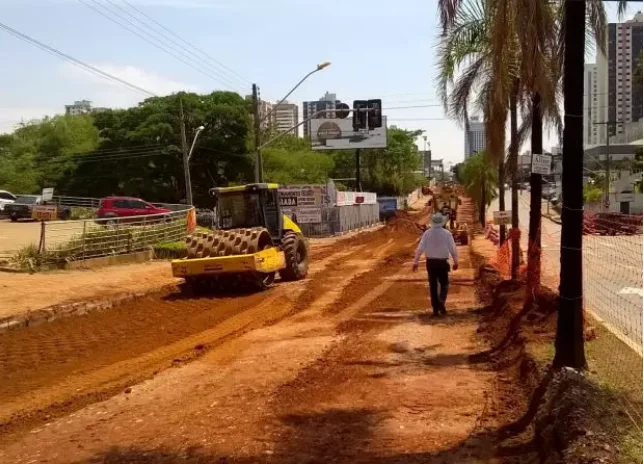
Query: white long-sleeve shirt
{"x": 437, "y": 243}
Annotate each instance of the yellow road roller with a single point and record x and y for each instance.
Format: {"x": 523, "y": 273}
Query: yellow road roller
{"x": 251, "y": 241}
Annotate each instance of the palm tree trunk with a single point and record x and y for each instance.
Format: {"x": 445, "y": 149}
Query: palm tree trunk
{"x": 483, "y": 200}
{"x": 514, "y": 155}
{"x": 502, "y": 228}
{"x": 569, "y": 341}
{"x": 534, "y": 232}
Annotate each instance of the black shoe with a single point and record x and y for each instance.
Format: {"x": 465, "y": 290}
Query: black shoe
{"x": 443, "y": 311}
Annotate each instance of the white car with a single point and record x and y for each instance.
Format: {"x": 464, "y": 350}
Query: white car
{"x": 5, "y": 198}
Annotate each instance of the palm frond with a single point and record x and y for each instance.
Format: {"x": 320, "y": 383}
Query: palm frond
{"x": 448, "y": 10}
{"x": 596, "y": 24}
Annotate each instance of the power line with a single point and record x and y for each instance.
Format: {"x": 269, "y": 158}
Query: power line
{"x": 175, "y": 43}
{"x": 188, "y": 43}
{"x": 74, "y": 61}
{"x": 161, "y": 47}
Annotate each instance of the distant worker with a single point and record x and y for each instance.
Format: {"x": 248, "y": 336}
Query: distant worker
{"x": 437, "y": 244}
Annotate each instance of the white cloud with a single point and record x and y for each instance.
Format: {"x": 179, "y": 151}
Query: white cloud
{"x": 11, "y": 117}
{"x": 104, "y": 92}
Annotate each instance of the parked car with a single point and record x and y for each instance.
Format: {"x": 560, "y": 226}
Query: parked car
{"x": 5, "y": 198}
{"x": 21, "y": 207}
{"x": 119, "y": 207}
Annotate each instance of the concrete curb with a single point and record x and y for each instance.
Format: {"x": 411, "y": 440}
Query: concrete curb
{"x": 51, "y": 313}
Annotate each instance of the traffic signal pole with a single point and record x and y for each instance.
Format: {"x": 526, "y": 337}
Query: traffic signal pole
{"x": 358, "y": 187}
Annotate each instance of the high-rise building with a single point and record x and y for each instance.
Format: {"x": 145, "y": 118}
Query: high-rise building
{"x": 285, "y": 117}
{"x": 623, "y": 91}
{"x": 309, "y": 108}
{"x": 475, "y": 137}
{"x": 594, "y": 102}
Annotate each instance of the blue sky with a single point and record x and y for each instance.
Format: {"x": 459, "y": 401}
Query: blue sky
{"x": 377, "y": 48}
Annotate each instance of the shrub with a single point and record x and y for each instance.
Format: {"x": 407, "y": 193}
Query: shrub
{"x": 170, "y": 250}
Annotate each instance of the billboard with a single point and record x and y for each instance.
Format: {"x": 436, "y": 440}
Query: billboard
{"x": 338, "y": 134}
{"x": 296, "y": 196}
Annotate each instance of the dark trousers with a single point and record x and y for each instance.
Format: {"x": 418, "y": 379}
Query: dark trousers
{"x": 438, "y": 274}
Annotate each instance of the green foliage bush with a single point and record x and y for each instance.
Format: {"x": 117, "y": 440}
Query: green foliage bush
{"x": 170, "y": 250}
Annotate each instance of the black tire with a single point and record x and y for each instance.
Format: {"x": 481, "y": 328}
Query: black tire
{"x": 14, "y": 219}
{"x": 296, "y": 252}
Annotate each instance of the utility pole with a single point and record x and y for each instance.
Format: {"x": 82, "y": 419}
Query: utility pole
{"x": 184, "y": 150}
{"x": 608, "y": 125}
{"x": 259, "y": 169}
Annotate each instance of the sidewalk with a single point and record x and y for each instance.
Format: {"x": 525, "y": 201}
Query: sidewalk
{"x": 362, "y": 374}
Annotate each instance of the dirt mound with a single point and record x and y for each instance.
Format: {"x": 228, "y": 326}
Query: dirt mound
{"x": 575, "y": 422}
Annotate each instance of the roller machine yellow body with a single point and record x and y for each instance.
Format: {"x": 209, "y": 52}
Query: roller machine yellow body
{"x": 251, "y": 241}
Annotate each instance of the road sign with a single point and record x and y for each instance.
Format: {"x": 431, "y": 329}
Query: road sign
{"x": 44, "y": 212}
{"x": 502, "y": 217}
{"x": 47, "y": 194}
{"x": 541, "y": 164}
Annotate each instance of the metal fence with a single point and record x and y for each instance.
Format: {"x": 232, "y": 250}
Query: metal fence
{"x": 342, "y": 219}
{"x": 62, "y": 241}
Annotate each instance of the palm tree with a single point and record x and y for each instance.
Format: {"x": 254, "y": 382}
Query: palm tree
{"x": 569, "y": 341}
{"x": 533, "y": 24}
{"x": 479, "y": 177}
{"x": 467, "y": 43}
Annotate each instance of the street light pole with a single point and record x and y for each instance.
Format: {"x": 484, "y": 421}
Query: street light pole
{"x": 186, "y": 163}
{"x": 259, "y": 169}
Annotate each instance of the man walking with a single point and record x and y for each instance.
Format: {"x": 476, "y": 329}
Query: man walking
{"x": 437, "y": 244}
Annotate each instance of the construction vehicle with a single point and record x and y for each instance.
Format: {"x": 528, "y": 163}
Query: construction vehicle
{"x": 446, "y": 201}
{"x": 251, "y": 241}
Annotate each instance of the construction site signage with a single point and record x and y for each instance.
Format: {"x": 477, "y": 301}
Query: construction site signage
{"x": 296, "y": 196}
{"x": 44, "y": 212}
{"x": 339, "y": 134}
{"x": 304, "y": 215}
{"x": 502, "y": 217}
{"x": 356, "y": 198}
{"x": 541, "y": 164}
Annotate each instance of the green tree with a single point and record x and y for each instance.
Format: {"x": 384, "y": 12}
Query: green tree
{"x": 291, "y": 161}
{"x": 386, "y": 171}
{"x": 144, "y": 143}
{"x": 479, "y": 178}
{"x": 43, "y": 153}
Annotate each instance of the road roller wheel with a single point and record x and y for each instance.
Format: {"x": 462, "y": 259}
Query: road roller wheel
{"x": 296, "y": 253}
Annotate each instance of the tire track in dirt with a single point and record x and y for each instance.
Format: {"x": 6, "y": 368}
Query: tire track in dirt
{"x": 56, "y": 368}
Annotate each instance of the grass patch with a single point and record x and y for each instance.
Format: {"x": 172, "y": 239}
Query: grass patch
{"x": 102, "y": 241}
{"x": 618, "y": 370}
{"x": 80, "y": 212}
{"x": 170, "y": 250}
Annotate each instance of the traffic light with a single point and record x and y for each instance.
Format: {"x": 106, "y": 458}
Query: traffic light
{"x": 360, "y": 114}
{"x": 375, "y": 113}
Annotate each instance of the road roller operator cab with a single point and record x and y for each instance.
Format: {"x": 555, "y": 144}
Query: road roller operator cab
{"x": 252, "y": 205}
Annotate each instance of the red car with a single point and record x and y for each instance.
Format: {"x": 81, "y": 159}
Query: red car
{"x": 113, "y": 207}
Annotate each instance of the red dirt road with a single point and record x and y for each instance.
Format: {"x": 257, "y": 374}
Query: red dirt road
{"x": 343, "y": 367}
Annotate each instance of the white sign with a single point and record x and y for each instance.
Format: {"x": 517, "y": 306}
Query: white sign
{"x": 338, "y": 134}
{"x": 541, "y": 164}
{"x": 47, "y": 194}
{"x": 502, "y": 217}
{"x": 295, "y": 196}
{"x": 306, "y": 215}
{"x": 356, "y": 198}
{"x": 625, "y": 197}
